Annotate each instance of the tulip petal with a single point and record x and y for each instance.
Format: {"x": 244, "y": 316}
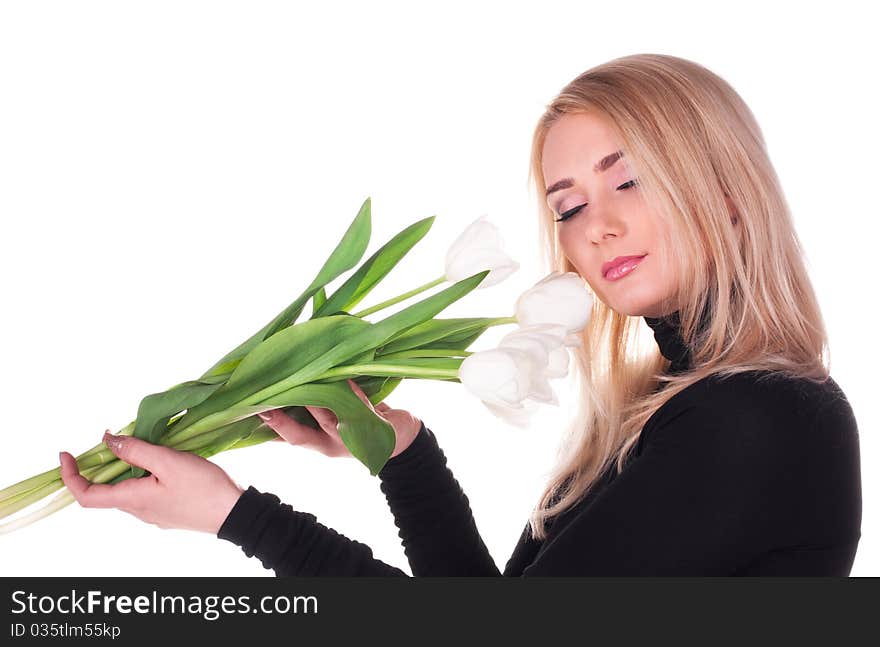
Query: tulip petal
{"x": 541, "y": 391}
{"x": 478, "y": 248}
{"x": 557, "y": 364}
{"x": 499, "y": 375}
{"x": 518, "y": 417}
{"x": 558, "y": 298}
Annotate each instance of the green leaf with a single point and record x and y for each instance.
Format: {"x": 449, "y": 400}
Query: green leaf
{"x": 252, "y": 430}
{"x": 456, "y": 333}
{"x": 432, "y": 367}
{"x": 304, "y": 352}
{"x": 380, "y": 332}
{"x": 261, "y": 435}
{"x": 228, "y": 436}
{"x": 156, "y": 410}
{"x": 276, "y": 358}
{"x": 459, "y": 343}
{"x": 377, "y": 388}
{"x": 372, "y": 271}
{"x": 369, "y": 437}
{"x": 426, "y": 351}
{"x": 318, "y": 300}
{"x": 346, "y": 255}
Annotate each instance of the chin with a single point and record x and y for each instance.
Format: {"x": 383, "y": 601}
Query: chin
{"x": 636, "y": 307}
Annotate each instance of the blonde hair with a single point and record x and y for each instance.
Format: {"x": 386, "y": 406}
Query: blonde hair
{"x": 691, "y": 140}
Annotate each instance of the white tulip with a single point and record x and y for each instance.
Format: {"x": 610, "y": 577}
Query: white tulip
{"x": 509, "y": 377}
{"x": 559, "y": 330}
{"x": 478, "y": 248}
{"x": 542, "y": 343}
{"x": 499, "y": 376}
{"x": 558, "y": 359}
{"x": 541, "y": 390}
{"x": 557, "y": 364}
{"x": 573, "y": 339}
{"x": 521, "y": 417}
{"x": 558, "y": 298}
{"x": 536, "y": 343}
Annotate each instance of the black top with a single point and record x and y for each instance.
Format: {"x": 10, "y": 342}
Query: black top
{"x": 741, "y": 476}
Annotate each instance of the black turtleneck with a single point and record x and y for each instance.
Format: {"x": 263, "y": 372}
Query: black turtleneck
{"x": 667, "y": 334}
{"x": 729, "y": 477}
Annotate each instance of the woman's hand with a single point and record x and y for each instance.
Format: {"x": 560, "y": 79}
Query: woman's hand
{"x": 327, "y": 440}
{"x": 183, "y": 491}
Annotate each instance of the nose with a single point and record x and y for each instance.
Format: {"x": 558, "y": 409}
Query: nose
{"x": 603, "y": 223}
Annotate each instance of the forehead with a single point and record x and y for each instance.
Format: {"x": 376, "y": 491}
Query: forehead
{"x": 577, "y": 141}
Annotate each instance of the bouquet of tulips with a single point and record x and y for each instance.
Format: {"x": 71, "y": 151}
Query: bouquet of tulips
{"x": 290, "y": 365}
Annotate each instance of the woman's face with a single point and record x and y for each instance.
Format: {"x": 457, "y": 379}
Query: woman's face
{"x": 614, "y": 220}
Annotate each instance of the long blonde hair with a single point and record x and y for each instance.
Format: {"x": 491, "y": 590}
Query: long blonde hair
{"x": 691, "y": 140}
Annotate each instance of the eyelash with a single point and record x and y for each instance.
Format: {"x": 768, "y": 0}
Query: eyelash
{"x": 568, "y": 214}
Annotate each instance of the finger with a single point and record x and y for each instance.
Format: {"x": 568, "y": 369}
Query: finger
{"x": 382, "y": 407}
{"x": 326, "y": 418}
{"x": 361, "y": 394}
{"x": 140, "y": 453}
{"x": 100, "y": 495}
{"x": 295, "y": 432}
{"x": 73, "y": 480}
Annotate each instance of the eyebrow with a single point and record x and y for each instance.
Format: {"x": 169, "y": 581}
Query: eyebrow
{"x": 602, "y": 165}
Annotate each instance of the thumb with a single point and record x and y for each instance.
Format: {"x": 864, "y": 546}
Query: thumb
{"x": 139, "y": 453}
{"x": 360, "y": 393}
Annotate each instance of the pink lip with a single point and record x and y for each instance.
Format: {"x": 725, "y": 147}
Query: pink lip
{"x": 618, "y": 261}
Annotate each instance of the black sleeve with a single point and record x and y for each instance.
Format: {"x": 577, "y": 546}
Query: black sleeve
{"x": 433, "y": 514}
{"x": 431, "y": 511}
{"x": 693, "y": 503}
{"x": 295, "y": 543}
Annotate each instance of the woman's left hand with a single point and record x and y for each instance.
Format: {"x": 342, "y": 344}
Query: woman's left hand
{"x": 183, "y": 490}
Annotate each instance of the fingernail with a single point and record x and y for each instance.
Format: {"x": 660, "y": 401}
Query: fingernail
{"x": 265, "y": 415}
{"x": 112, "y": 442}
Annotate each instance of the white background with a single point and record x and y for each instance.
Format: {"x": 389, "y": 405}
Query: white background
{"x": 172, "y": 174}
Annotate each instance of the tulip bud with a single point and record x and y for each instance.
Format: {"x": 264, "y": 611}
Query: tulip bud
{"x": 541, "y": 343}
{"x": 504, "y": 378}
{"x": 558, "y": 298}
{"x": 478, "y": 248}
{"x": 557, "y": 364}
{"x": 518, "y": 417}
{"x": 499, "y": 376}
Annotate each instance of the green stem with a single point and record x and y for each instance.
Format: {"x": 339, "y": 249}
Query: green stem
{"x": 102, "y": 474}
{"x": 62, "y": 500}
{"x": 220, "y": 418}
{"x": 15, "y": 503}
{"x": 426, "y": 352}
{"x": 219, "y": 436}
{"x": 398, "y": 299}
{"x": 96, "y": 474}
{"x": 260, "y": 435}
{"x": 390, "y": 370}
{"x": 97, "y": 455}
{"x": 100, "y": 455}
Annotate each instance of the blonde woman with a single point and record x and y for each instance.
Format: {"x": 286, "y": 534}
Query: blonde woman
{"x": 726, "y": 450}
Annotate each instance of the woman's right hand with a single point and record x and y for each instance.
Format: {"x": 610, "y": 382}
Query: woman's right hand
{"x": 327, "y": 440}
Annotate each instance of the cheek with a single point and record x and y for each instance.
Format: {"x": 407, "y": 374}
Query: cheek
{"x": 663, "y": 279}
{"x": 584, "y": 264}
{"x": 577, "y": 253}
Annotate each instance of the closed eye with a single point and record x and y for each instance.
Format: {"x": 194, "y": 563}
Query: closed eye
{"x": 568, "y": 214}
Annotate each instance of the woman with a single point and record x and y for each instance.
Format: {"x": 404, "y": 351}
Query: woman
{"x": 729, "y": 450}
